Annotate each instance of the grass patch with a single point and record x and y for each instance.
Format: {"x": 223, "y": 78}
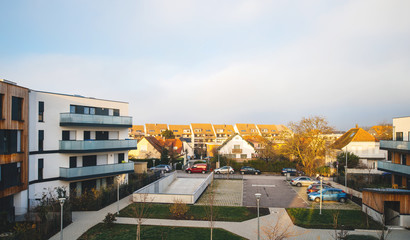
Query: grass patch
{"x": 360, "y": 237}
{"x": 198, "y": 212}
{"x": 125, "y": 232}
{"x": 350, "y": 219}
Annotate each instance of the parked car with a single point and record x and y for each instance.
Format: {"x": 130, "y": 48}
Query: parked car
{"x": 198, "y": 168}
{"x": 161, "y": 167}
{"x": 224, "y": 170}
{"x": 249, "y": 170}
{"x": 292, "y": 171}
{"x": 329, "y": 194}
{"x": 302, "y": 181}
{"x": 316, "y": 187}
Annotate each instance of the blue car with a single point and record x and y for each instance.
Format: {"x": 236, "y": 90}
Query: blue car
{"x": 328, "y": 194}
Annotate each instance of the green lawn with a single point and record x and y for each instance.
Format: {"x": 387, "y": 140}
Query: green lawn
{"x": 126, "y": 232}
{"x": 350, "y": 219}
{"x": 198, "y": 212}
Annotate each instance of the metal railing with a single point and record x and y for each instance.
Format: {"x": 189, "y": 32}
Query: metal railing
{"x": 393, "y": 167}
{"x": 87, "y": 119}
{"x": 85, "y": 172}
{"x": 89, "y": 145}
{"x": 399, "y": 145}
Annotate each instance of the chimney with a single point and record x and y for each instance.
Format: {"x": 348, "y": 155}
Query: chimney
{"x": 357, "y": 125}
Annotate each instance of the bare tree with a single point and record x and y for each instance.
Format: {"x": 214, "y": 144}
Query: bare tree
{"x": 279, "y": 229}
{"x": 142, "y": 207}
{"x": 209, "y": 208}
{"x": 305, "y": 142}
{"x": 341, "y": 233}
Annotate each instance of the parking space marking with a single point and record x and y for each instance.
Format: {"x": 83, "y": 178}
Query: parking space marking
{"x": 257, "y": 185}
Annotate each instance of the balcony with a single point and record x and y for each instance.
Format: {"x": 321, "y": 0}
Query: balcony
{"x": 97, "y": 146}
{"x": 395, "y": 145}
{"x": 393, "y": 167}
{"x": 72, "y": 119}
{"x": 78, "y": 173}
{"x": 236, "y": 150}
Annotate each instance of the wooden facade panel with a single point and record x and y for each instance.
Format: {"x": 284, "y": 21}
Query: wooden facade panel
{"x": 376, "y": 201}
{"x": 6, "y": 123}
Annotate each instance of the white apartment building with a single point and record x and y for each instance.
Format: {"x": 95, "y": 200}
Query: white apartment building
{"x": 77, "y": 143}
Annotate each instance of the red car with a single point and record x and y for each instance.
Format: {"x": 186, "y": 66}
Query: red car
{"x": 198, "y": 168}
{"x": 316, "y": 187}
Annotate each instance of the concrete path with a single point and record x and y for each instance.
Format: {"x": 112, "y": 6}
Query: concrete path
{"x": 82, "y": 221}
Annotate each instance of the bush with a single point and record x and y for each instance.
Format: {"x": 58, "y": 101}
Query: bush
{"x": 109, "y": 219}
{"x": 179, "y": 209}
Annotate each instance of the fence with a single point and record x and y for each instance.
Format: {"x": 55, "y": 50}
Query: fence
{"x": 228, "y": 176}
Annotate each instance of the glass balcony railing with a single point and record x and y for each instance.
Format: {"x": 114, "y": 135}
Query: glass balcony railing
{"x": 97, "y": 145}
{"x": 96, "y": 171}
{"x": 393, "y": 167}
{"x": 72, "y": 119}
{"x": 399, "y": 145}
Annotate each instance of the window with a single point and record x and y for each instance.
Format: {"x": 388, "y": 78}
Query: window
{"x": 101, "y": 135}
{"x": 41, "y": 111}
{"x": 87, "y": 135}
{"x": 40, "y": 140}
{"x": 208, "y": 130}
{"x": 1, "y": 106}
{"x": 403, "y": 159}
{"x": 92, "y": 111}
{"x": 244, "y": 156}
{"x": 399, "y": 136}
{"x": 10, "y": 141}
{"x": 9, "y": 176}
{"x": 40, "y": 168}
{"x": 89, "y": 160}
{"x": 175, "y": 130}
{"x": 120, "y": 157}
{"x": 66, "y": 135}
{"x": 73, "y": 162}
{"x": 236, "y": 146}
{"x": 16, "y": 108}
{"x": 116, "y": 112}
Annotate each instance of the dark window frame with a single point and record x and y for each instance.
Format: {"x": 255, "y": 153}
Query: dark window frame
{"x": 40, "y": 140}
{"x": 16, "y": 108}
{"x": 399, "y": 136}
{"x": 40, "y": 170}
{"x": 41, "y": 111}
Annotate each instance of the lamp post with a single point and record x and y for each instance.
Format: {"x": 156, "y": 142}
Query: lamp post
{"x": 118, "y": 195}
{"x": 258, "y": 197}
{"x": 61, "y": 200}
{"x": 346, "y": 171}
{"x": 321, "y": 191}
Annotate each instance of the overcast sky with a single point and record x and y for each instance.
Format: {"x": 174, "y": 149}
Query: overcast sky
{"x": 181, "y": 62}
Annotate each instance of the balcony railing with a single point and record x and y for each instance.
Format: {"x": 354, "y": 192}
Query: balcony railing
{"x": 393, "y": 167}
{"x": 72, "y": 119}
{"x": 97, "y": 145}
{"x": 236, "y": 150}
{"x": 96, "y": 171}
{"x": 399, "y": 145}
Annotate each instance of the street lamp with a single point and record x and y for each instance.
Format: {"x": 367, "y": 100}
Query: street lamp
{"x": 118, "y": 195}
{"x": 61, "y": 200}
{"x": 258, "y": 197}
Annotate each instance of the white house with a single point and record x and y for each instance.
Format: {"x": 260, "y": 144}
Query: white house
{"x": 236, "y": 147}
{"x": 363, "y": 145}
{"x": 77, "y": 143}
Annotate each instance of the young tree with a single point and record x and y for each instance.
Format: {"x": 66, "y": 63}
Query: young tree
{"x": 168, "y": 134}
{"x": 142, "y": 207}
{"x": 209, "y": 209}
{"x": 352, "y": 161}
{"x": 304, "y": 141}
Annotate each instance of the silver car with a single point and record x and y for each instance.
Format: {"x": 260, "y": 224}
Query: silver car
{"x": 224, "y": 170}
{"x": 302, "y": 181}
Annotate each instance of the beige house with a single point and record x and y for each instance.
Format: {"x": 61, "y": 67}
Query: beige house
{"x": 147, "y": 147}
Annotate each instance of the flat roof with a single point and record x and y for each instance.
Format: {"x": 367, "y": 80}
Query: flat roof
{"x": 388, "y": 190}
{"x": 78, "y": 96}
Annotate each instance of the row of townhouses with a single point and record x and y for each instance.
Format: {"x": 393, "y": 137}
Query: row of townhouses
{"x": 51, "y": 140}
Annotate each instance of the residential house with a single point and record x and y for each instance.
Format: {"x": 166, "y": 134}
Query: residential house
{"x": 382, "y": 132}
{"x": 271, "y": 131}
{"x": 237, "y": 148}
{"x": 202, "y": 133}
{"x": 154, "y": 129}
{"x": 391, "y": 206}
{"x": 179, "y": 131}
{"x": 362, "y": 144}
{"x": 246, "y": 129}
{"x": 77, "y": 143}
{"x": 136, "y": 132}
{"x": 147, "y": 147}
{"x": 14, "y": 120}
{"x": 223, "y": 132}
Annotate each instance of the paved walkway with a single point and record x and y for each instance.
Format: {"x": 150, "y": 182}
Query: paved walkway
{"x": 226, "y": 193}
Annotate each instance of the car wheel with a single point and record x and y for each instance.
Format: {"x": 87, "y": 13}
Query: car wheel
{"x": 242, "y": 173}
{"x": 189, "y": 171}
{"x": 230, "y": 172}
{"x": 256, "y": 173}
{"x": 217, "y": 172}
{"x": 203, "y": 172}
{"x": 317, "y": 199}
{"x": 299, "y": 184}
{"x": 342, "y": 200}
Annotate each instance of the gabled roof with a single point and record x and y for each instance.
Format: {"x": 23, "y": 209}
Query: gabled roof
{"x": 202, "y": 128}
{"x": 179, "y": 129}
{"x": 154, "y": 128}
{"x": 226, "y": 129}
{"x": 246, "y": 128}
{"x": 231, "y": 137}
{"x": 172, "y": 143}
{"x": 353, "y": 135}
{"x": 137, "y": 128}
{"x": 155, "y": 143}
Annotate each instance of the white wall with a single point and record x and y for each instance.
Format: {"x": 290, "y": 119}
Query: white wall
{"x": 366, "y": 150}
{"x": 401, "y": 125}
{"x": 244, "y": 145}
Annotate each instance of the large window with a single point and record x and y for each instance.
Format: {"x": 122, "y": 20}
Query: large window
{"x": 40, "y": 168}
{"x": 120, "y": 157}
{"x": 10, "y": 175}
{"x": 41, "y": 111}
{"x": 10, "y": 141}
{"x": 73, "y": 162}
{"x": 399, "y": 136}
{"x": 16, "y": 108}
{"x": 40, "y": 140}
{"x": 94, "y": 110}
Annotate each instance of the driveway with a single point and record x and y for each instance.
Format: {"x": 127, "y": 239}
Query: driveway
{"x": 276, "y": 192}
